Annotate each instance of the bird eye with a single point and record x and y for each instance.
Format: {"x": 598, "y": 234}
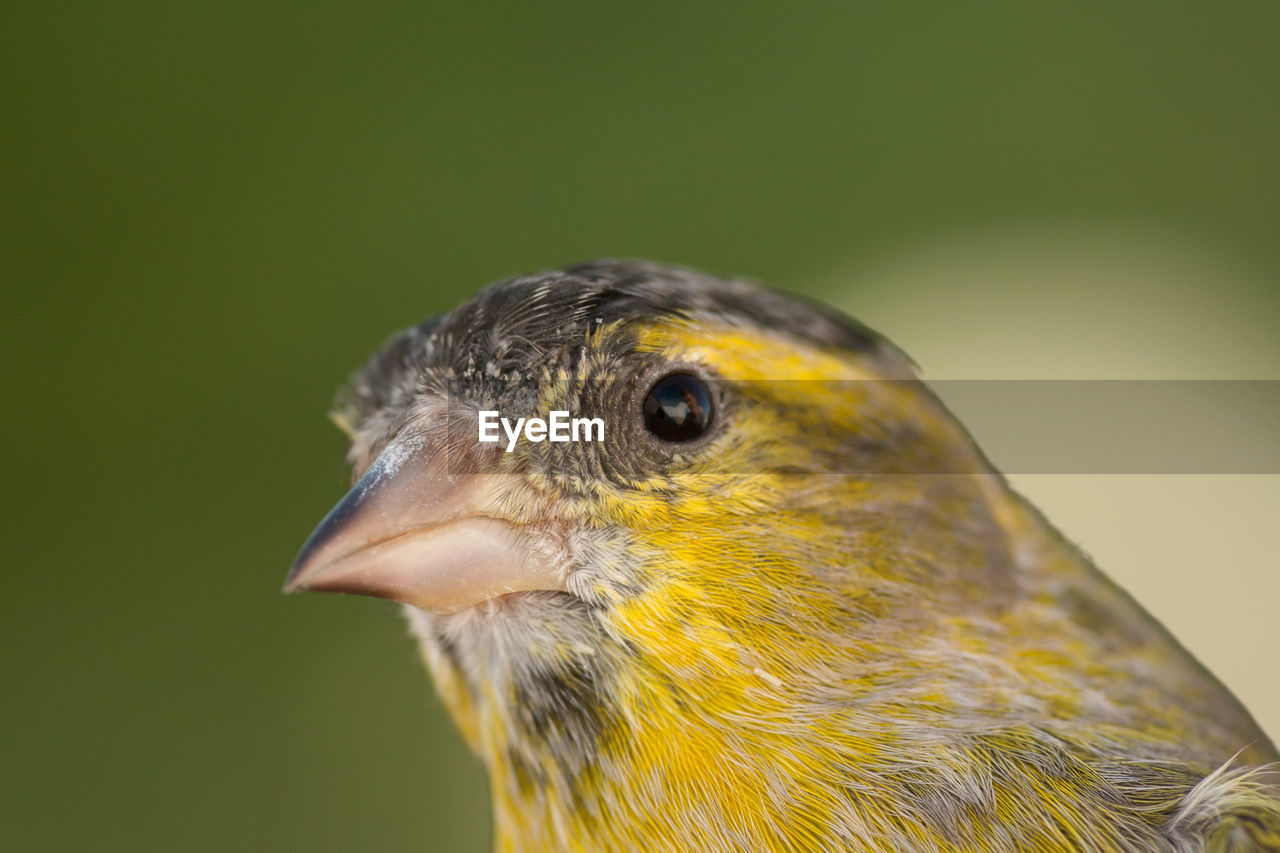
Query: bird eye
{"x": 678, "y": 408}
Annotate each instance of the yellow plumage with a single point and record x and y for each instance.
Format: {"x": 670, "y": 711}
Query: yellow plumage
{"x": 829, "y": 626}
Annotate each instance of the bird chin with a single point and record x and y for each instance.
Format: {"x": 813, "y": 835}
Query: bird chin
{"x": 519, "y": 626}
{"x": 522, "y": 605}
{"x": 510, "y": 605}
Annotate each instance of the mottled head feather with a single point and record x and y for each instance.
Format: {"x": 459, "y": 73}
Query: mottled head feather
{"x": 514, "y": 323}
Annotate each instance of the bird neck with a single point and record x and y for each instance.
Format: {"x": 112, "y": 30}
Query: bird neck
{"x": 821, "y": 692}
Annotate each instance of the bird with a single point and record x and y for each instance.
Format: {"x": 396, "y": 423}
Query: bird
{"x": 784, "y": 603}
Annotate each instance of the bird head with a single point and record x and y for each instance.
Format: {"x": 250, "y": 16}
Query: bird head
{"x": 769, "y": 475}
{"x": 687, "y": 404}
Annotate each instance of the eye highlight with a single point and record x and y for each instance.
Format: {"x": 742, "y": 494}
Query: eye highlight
{"x": 678, "y": 408}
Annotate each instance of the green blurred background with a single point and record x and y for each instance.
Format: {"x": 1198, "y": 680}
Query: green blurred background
{"x": 214, "y": 211}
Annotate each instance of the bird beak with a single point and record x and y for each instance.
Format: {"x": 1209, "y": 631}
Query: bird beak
{"x": 413, "y": 532}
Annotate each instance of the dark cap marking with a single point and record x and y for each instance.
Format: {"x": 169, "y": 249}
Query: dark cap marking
{"x": 513, "y": 324}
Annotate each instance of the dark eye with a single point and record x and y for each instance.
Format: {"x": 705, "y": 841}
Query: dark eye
{"x": 678, "y": 408}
